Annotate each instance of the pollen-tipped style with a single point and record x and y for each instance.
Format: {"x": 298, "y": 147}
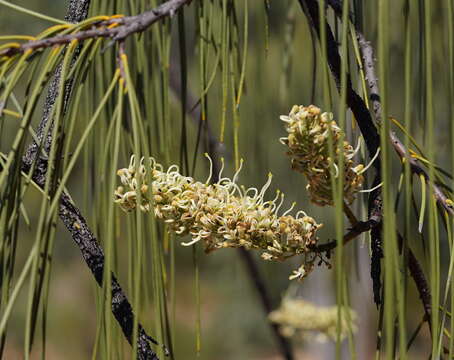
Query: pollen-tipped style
{"x": 221, "y": 215}
{"x": 308, "y": 142}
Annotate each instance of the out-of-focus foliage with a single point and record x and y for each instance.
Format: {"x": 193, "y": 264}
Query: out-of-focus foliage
{"x": 211, "y": 305}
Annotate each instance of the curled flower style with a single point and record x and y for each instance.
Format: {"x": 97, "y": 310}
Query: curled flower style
{"x": 308, "y": 141}
{"x": 301, "y": 318}
{"x": 222, "y": 215}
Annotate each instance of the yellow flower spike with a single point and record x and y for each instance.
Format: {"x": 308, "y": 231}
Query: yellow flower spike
{"x": 308, "y": 139}
{"x": 220, "y": 215}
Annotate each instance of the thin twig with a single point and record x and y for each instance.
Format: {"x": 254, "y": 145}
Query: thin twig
{"x": 415, "y": 166}
{"x": 127, "y": 26}
{"x": 357, "y": 229}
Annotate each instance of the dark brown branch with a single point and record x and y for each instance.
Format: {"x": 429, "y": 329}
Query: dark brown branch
{"x": 94, "y": 257}
{"x": 367, "y": 128}
{"x": 127, "y": 26}
{"x": 357, "y": 229}
{"x": 77, "y": 11}
{"x": 357, "y": 106}
{"x": 415, "y": 166}
{"x": 412, "y": 263}
{"x": 354, "y": 102}
{"x": 68, "y": 212}
{"x": 420, "y": 281}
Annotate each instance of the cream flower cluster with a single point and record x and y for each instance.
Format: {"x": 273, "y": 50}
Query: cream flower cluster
{"x": 298, "y": 317}
{"x": 222, "y": 215}
{"x": 308, "y": 141}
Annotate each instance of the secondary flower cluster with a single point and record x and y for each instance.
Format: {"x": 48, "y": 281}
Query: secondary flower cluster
{"x": 298, "y": 317}
{"x": 222, "y": 215}
{"x": 308, "y": 141}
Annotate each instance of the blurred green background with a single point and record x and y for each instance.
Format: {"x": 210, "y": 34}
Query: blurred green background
{"x": 233, "y": 323}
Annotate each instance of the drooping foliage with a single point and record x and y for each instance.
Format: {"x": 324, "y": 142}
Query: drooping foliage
{"x": 173, "y": 80}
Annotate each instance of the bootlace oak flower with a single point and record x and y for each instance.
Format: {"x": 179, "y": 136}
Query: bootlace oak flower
{"x": 308, "y": 140}
{"x": 298, "y": 317}
{"x": 222, "y": 215}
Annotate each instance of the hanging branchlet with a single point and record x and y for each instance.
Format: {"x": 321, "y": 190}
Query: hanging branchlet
{"x": 221, "y": 215}
{"x": 115, "y": 27}
{"x": 308, "y": 141}
{"x": 303, "y": 319}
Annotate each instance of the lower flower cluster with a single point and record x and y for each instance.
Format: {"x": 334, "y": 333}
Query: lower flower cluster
{"x": 298, "y": 317}
{"x": 222, "y": 215}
